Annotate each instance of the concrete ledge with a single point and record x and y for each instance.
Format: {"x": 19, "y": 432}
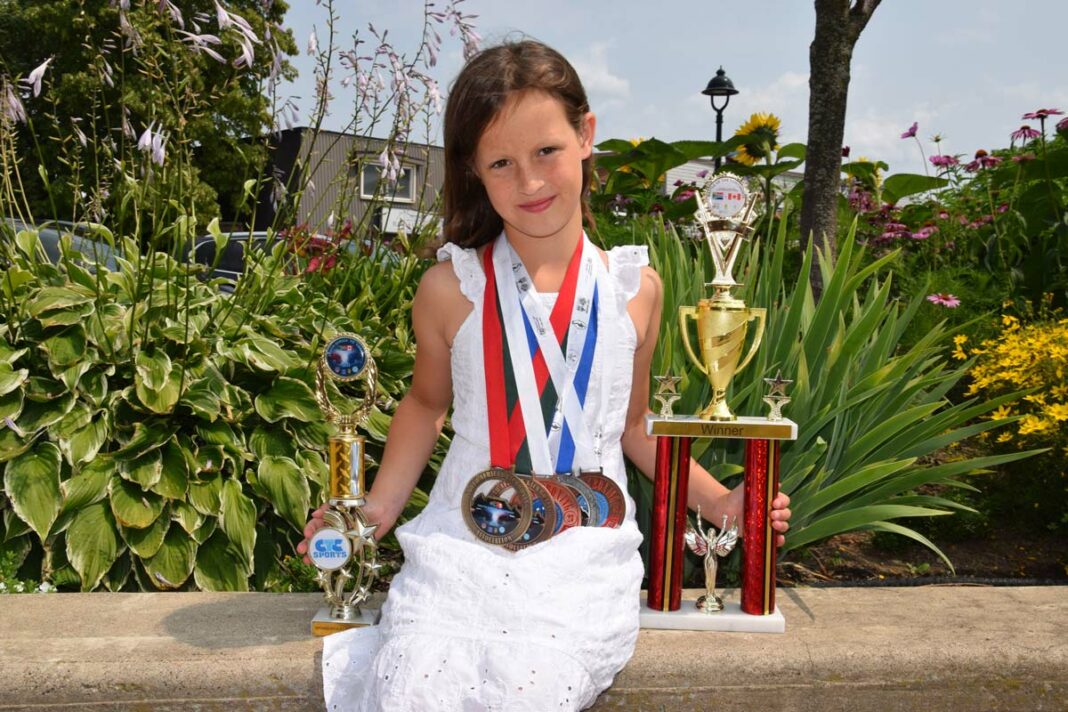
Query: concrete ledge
{"x": 885, "y": 649}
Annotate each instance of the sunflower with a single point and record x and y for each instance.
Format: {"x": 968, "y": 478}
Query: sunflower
{"x": 763, "y": 132}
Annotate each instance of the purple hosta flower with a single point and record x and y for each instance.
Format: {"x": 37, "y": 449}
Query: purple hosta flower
{"x": 390, "y": 164}
{"x": 911, "y": 132}
{"x": 982, "y": 160}
{"x": 247, "y": 37}
{"x": 133, "y": 38}
{"x": 845, "y": 151}
{"x": 12, "y": 106}
{"x": 127, "y": 128}
{"x": 34, "y": 80}
{"x": 159, "y": 152}
{"x": 1023, "y": 157}
{"x": 200, "y": 44}
{"x": 1042, "y": 114}
{"x": 435, "y": 95}
{"x": 703, "y": 173}
{"x": 944, "y": 161}
{"x": 14, "y": 426}
{"x": 313, "y": 44}
{"x": 944, "y": 299}
{"x": 176, "y": 14}
{"x": 145, "y": 142}
{"x": 1024, "y": 133}
{"x": 924, "y": 232}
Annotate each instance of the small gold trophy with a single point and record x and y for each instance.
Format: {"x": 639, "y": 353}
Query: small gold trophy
{"x": 345, "y": 551}
{"x": 711, "y": 545}
{"x": 725, "y": 209}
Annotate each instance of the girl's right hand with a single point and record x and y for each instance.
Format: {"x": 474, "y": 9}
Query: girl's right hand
{"x": 314, "y": 524}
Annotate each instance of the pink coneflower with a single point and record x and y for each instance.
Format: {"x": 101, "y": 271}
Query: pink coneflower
{"x": 702, "y": 173}
{"x": 944, "y": 300}
{"x": 982, "y": 160}
{"x": 944, "y": 161}
{"x": 943, "y": 215}
{"x": 924, "y": 233}
{"x": 683, "y": 196}
{"x": 1042, "y": 114}
{"x": 845, "y": 151}
{"x": 1023, "y": 157}
{"x": 1024, "y": 133}
{"x": 911, "y": 132}
{"x": 1062, "y": 125}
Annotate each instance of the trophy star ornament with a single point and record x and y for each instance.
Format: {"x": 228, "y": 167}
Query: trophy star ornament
{"x": 667, "y": 392}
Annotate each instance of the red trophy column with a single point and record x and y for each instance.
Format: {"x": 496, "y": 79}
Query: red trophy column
{"x": 670, "y": 487}
{"x": 758, "y": 539}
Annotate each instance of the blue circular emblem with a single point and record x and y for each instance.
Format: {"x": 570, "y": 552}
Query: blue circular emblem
{"x": 345, "y": 357}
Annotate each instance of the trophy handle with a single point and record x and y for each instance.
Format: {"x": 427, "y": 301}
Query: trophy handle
{"x": 684, "y": 314}
{"x": 760, "y": 315}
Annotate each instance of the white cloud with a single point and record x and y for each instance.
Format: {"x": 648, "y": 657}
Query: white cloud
{"x": 600, "y": 82}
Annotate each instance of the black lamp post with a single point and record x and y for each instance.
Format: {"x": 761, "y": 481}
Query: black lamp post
{"x": 719, "y": 85}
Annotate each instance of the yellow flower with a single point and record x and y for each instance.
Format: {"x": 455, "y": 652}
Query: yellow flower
{"x": 1057, "y": 411}
{"x": 763, "y": 132}
{"x": 958, "y": 347}
{"x": 1005, "y": 437}
{"x": 1033, "y": 425}
{"x": 1003, "y": 411}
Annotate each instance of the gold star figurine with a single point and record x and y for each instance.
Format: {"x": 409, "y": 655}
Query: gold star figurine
{"x": 667, "y": 392}
{"x": 776, "y": 397}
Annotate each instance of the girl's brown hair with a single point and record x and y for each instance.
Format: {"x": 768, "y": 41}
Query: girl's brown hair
{"x": 477, "y": 96}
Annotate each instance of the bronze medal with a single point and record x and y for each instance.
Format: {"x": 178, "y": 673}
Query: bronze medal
{"x": 568, "y": 512}
{"x": 587, "y": 499}
{"x": 612, "y": 505}
{"x": 500, "y": 518}
{"x": 543, "y": 520}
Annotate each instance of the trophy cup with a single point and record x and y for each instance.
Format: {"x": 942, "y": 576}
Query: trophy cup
{"x": 345, "y": 551}
{"x": 711, "y": 545}
{"x": 725, "y": 210}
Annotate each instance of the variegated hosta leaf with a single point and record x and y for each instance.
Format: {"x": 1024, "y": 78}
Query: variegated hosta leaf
{"x": 88, "y": 485}
{"x": 174, "y": 472}
{"x": 238, "y": 520}
{"x": 31, "y": 482}
{"x": 84, "y": 444}
{"x": 145, "y": 470}
{"x": 163, "y": 398}
{"x": 11, "y": 405}
{"x": 146, "y": 542}
{"x": 40, "y": 414}
{"x": 288, "y": 398}
{"x": 148, "y": 434}
{"x": 52, "y": 298}
{"x": 93, "y": 543}
{"x": 132, "y": 506}
{"x": 288, "y": 488}
{"x": 205, "y": 494}
{"x": 65, "y": 347}
{"x": 10, "y": 378}
{"x": 186, "y": 515}
{"x": 174, "y": 560}
{"x": 219, "y": 566}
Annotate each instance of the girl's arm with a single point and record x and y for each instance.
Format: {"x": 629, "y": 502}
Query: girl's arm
{"x": 704, "y": 489}
{"x": 437, "y": 312}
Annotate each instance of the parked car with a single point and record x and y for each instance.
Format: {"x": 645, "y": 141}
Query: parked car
{"x": 94, "y": 250}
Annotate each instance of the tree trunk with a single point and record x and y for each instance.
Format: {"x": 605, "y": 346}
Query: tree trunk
{"x": 838, "y": 25}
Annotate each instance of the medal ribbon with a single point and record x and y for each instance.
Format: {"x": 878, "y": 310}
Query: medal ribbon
{"x": 509, "y": 297}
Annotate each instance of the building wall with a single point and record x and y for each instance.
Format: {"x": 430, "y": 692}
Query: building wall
{"x": 333, "y": 163}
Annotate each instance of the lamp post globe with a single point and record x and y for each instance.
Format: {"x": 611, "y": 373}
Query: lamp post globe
{"x": 719, "y": 86}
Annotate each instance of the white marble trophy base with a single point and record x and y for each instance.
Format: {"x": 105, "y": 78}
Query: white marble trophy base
{"x": 730, "y": 620}
{"x": 324, "y": 624}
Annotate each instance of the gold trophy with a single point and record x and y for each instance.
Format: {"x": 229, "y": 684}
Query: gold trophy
{"x": 345, "y": 551}
{"x": 725, "y": 209}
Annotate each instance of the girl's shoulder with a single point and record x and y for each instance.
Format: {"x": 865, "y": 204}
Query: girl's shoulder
{"x": 460, "y": 269}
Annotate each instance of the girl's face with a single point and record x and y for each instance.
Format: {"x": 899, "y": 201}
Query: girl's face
{"x": 530, "y": 161}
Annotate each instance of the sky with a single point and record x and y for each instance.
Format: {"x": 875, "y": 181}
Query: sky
{"x": 963, "y": 69}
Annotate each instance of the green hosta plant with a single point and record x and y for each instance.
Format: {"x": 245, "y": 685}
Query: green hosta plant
{"x": 872, "y": 416}
{"x": 159, "y": 433}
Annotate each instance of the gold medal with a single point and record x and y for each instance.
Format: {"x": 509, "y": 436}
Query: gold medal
{"x": 543, "y": 522}
{"x": 502, "y": 518}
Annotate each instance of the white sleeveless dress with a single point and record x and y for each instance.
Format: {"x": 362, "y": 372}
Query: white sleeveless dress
{"x": 469, "y": 626}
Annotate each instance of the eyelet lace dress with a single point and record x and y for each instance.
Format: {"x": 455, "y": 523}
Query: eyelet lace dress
{"x": 469, "y": 626}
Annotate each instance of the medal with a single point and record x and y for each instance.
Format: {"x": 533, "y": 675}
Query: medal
{"x": 587, "y": 499}
{"x": 497, "y": 519}
{"x": 568, "y": 512}
{"x": 542, "y": 522}
{"x": 610, "y": 500}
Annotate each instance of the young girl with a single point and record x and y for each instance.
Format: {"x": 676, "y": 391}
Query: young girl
{"x": 469, "y": 625}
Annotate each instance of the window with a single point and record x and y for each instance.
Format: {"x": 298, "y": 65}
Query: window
{"x": 403, "y": 191}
